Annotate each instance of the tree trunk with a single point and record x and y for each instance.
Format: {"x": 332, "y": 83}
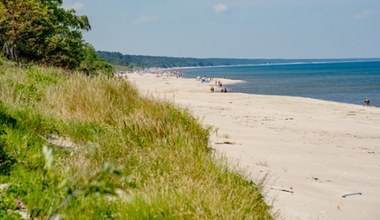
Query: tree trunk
{"x": 10, "y": 50}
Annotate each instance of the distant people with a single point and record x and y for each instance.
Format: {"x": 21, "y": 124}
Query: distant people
{"x": 212, "y": 89}
{"x": 366, "y": 102}
{"x": 223, "y": 90}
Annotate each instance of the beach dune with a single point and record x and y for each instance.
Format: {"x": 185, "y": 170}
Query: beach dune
{"x": 320, "y": 159}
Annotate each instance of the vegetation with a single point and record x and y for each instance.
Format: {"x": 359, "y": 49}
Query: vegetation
{"x": 78, "y": 147}
{"x": 137, "y": 61}
{"x": 42, "y": 31}
{"x": 93, "y": 64}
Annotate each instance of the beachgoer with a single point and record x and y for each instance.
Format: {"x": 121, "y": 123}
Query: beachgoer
{"x": 366, "y": 102}
{"x": 212, "y": 89}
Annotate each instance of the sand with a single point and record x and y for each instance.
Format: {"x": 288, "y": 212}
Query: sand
{"x": 312, "y": 152}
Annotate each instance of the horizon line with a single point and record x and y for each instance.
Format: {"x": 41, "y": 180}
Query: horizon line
{"x": 189, "y": 57}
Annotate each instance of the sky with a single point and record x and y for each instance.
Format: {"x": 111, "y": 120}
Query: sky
{"x": 234, "y": 28}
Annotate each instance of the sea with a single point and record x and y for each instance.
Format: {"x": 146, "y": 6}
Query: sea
{"x": 346, "y": 82}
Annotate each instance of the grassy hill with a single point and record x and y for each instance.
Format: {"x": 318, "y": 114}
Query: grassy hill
{"x": 91, "y": 148}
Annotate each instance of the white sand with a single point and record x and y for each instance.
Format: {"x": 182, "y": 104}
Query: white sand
{"x": 313, "y": 151}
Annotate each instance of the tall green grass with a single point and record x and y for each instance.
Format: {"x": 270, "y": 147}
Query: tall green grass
{"x": 134, "y": 158}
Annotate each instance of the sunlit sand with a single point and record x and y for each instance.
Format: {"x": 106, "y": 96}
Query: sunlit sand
{"x": 322, "y": 159}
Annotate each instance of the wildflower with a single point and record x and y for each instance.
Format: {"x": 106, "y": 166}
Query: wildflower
{"x": 20, "y": 203}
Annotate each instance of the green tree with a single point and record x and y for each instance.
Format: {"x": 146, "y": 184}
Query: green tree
{"x": 94, "y": 64}
{"x": 42, "y": 31}
{"x": 16, "y": 18}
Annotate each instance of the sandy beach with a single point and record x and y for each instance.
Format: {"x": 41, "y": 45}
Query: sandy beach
{"x": 312, "y": 152}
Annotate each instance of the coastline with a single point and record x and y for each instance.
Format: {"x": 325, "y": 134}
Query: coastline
{"x": 339, "y": 82}
{"x": 354, "y": 60}
{"x": 312, "y": 151}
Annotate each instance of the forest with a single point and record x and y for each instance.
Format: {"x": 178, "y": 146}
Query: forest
{"x": 139, "y": 61}
{"x": 43, "y": 32}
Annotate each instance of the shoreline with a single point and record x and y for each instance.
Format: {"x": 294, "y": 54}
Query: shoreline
{"x": 234, "y": 82}
{"x": 311, "y": 151}
{"x": 306, "y": 97}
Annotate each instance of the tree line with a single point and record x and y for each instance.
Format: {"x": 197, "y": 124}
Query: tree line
{"x": 139, "y": 61}
{"x": 42, "y": 31}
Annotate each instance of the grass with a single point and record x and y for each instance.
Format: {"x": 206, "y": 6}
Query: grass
{"x": 134, "y": 158}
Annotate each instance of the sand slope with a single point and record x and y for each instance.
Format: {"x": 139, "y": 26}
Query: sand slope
{"x": 312, "y": 151}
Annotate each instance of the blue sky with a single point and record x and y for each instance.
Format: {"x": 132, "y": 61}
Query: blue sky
{"x": 234, "y": 28}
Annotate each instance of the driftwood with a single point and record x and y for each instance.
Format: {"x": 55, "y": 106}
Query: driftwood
{"x": 283, "y": 190}
{"x": 226, "y": 142}
{"x": 352, "y": 194}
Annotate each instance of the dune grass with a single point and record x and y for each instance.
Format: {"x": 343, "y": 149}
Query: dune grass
{"x": 131, "y": 157}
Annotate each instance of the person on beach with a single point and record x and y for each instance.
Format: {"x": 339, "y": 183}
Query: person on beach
{"x": 212, "y": 89}
{"x": 366, "y": 102}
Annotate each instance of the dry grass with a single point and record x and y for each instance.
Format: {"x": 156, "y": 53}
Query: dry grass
{"x": 163, "y": 152}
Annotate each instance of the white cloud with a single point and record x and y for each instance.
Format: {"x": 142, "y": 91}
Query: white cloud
{"x": 364, "y": 14}
{"x": 146, "y": 19}
{"x": 76, "y": 6}
{"x": 220, "y": 8}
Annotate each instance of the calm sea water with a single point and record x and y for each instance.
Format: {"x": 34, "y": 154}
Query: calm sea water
{"x": 349, "y": 82}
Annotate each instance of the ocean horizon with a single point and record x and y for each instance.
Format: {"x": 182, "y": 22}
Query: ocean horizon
{"x": 347, "y": 82}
